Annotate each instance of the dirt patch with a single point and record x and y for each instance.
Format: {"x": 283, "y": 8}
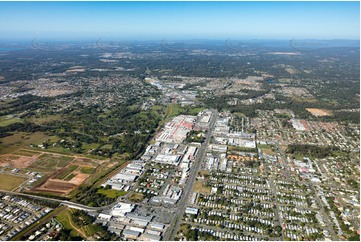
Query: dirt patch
{"x": 16, "y": 161}
{"x": 79, "y": 178}
{"x": 56, "y": 186}
{"x": 200, "y": 188}
{"x": 319, "y": 112}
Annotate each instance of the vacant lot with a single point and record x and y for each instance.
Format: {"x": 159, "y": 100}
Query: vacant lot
{"x": 21, "y": 140}
{"x": 136, "y": 197}
{"x": 65, "y": 172}
{"x": 16, "y": 161}
{"x": 111, "y": 193}
{"x": 26, "y": 152}
{"x": 49, "y": 162}
{"x": 199, "y": 187}
{"x": 56, "y": 186}
{"x": 319, "y": 112}
{"x": 10, "y": 182}
{"x": 87, "y": 170}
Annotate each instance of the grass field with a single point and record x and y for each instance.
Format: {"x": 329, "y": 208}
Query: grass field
{"x": 66, "y": 172}
{"x": 68, "y": 178}
{"x": 87, "y": 170}
{"x": 266, "y": 149}
{"x": 175, "y": 109}
{"x": 157, "y": 108}
{"x": 26, "y": 153}
{"x": 7, "y": 121}
{"x": 47, "y": 119}
{"x": 195, "y": 111}
{"x": 198, "y": 187}
{"x": 111, "y": 193}
{"x": 65, "y": 219}
{"x": 9, "y": 182}
{"x": 20, "y": 140}
{"x": 238, "y": 114}
{"x": 136, "y": 197}
{"x": 47, "y": 162}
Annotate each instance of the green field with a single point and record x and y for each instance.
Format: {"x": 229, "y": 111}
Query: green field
{"x": 10, "y": 182}
{"x": 26, "y": 153}
{"x": 68, "y": 178}
{"x": 88, "y": 170}
{"x": 175, "y": 110}
{"x": 47, "y": 119}
{"x": 47, "y": 162}
{"x": 7, "y": 121}
{"x": 111, "y": 193}
{"x": 66, "y": 172}
{"x": 20, "y": 140}
{"x": 64, "y": 218}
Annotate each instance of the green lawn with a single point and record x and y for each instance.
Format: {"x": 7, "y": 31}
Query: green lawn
{"x": 111, "y": 193}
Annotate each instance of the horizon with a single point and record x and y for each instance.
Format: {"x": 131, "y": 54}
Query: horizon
{"x": 180, "y": 20}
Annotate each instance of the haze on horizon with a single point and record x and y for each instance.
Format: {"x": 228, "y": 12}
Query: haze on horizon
{"x": 180, "y": 20}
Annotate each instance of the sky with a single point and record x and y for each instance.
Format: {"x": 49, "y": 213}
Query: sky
{"x": 180, "y": 20}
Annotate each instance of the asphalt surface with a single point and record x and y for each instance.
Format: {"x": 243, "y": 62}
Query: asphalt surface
{"x": 183, "y": 202}
{"x": 68, "y": 203}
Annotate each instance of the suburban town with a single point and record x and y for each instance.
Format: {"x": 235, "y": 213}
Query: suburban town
{"x": 180, "y": 121}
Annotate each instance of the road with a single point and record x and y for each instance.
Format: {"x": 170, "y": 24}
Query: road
{"x": 323, "y": 213}
{"x": 177, "y": 219}
{"x": 67, "y": 203}
{"x": 279, "y": 219}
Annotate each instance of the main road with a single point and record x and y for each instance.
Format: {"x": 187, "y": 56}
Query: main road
{"x": 182, "y": 203}
{"x": 64, "y": 202}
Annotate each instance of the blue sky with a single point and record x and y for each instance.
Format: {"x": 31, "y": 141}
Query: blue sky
{"x": 180, "y": 20}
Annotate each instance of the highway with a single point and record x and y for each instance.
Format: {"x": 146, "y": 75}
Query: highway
{"x": 67, "y": 203}
{"x": 182, "y": 204}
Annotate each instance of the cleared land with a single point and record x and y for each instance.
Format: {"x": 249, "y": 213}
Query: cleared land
{"x": 61, "y": 174}
{"x": 15, "y": 161}
{"x": 200, "y": 188}
{"x": 9, "y": 182}
{"x": 319, "y": 112}
{"x": 50, "y": 162}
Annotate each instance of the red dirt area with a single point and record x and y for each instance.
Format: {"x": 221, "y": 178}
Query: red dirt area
{"x": 79, "y": 178}
{"x": 17, "y": 161}
{"x": 56, "y": 186}
{"x": 319, "y": 112}
{"x": 305, "y": 124}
